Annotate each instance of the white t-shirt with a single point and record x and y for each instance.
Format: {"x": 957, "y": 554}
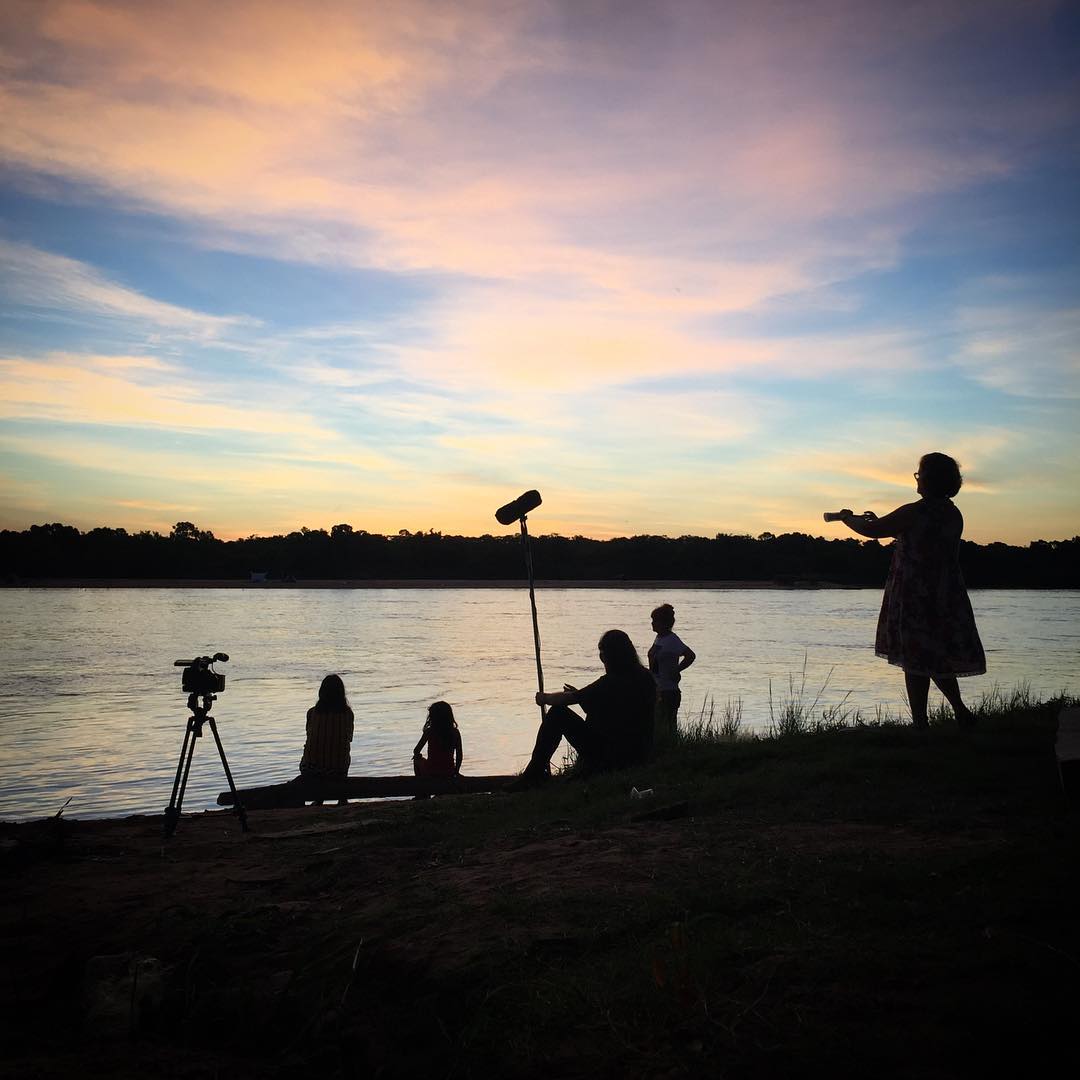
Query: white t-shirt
{"x": 664, "y": 660}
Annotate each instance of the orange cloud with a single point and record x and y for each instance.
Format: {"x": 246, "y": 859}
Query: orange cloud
{"x": 89, "y": 390}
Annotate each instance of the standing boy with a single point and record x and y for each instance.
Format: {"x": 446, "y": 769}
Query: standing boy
{"x": 668, "y": 659}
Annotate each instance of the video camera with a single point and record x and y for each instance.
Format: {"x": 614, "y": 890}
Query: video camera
{"x": 199, "y": 676}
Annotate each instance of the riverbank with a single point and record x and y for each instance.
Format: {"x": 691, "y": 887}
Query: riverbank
{"x": 655, "y": 584}
{"x": 868, "y": 901}
{"x": 401, "y": 583}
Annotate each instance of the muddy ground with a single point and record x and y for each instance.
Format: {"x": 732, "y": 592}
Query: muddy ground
{"x": 562, "y": 934}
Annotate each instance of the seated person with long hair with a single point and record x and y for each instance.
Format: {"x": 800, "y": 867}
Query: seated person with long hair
{"x": 617, "y": 729}
{"x": 443, "y": 740}
{"x": 329, "y": 733}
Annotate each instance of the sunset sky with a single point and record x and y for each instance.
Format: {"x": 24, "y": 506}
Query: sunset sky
{"x": 691, "y": 266}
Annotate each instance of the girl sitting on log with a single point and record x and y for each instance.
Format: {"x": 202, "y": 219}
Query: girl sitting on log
{"x": 443, "y": 742}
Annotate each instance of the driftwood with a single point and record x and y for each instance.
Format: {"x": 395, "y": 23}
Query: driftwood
{"x": 306, "y": 789}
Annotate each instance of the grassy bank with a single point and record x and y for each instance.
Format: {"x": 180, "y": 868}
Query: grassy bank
{"x": 848, "y": 895}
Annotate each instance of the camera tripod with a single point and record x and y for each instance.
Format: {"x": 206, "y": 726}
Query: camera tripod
{"x": 200, "y": 714}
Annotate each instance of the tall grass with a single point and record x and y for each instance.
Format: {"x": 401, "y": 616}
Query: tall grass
{"x": 707, "y": 726}
{"x": 794, "y": 714}
{"x": 798, "y": 712}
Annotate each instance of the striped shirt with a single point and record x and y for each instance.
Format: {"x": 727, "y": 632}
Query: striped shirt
{"x": 326, "y": 751}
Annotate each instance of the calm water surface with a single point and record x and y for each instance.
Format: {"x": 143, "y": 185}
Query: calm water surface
{"x": 91, "y": 706}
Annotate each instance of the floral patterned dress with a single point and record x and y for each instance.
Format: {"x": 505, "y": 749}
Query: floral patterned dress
{"x": 926, "y": 625}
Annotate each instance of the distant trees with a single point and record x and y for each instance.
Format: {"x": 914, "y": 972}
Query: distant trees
{"x": 185, "y": 530}
{"x": 188, "y": 552}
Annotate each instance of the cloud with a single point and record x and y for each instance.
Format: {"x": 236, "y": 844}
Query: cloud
{"x": 20, "y": 497}
{"x": 152, "y": 505}
{"x": 480, "y": 139}
{"x": 611, "y": 182}
{"x": 887, "y": 450}
{"x": 132, "y": 392}
{"x": 40, "y": 280}
{"x": 1021, "y": 346}
{"x": 247, "y": 487}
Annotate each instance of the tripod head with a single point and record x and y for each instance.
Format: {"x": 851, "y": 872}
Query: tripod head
{"x": 200, "y": 711}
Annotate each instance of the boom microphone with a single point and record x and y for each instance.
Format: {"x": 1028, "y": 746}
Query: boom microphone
{"x": 507, "y": 515}
{"x": 512, "y": 511}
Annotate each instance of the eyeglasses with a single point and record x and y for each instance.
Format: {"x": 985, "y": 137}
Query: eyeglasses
{"x": 916, "y": 475}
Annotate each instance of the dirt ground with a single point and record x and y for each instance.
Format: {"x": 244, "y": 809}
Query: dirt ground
{"x": 127, "y": 951}
{"x": 390, "y": 939}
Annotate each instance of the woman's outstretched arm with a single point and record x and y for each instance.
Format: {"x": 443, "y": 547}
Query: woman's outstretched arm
{"x": 869, "y": 524}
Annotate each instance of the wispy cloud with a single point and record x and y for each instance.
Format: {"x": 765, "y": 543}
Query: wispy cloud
{"x": 89, "y": 390}
{"x": 1020, "y": 346}
{"x": 40, "y": 280}
{"x": 153, "y": 505}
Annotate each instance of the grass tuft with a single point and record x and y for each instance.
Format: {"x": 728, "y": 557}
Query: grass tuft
{"x": 707, "y": 727}
{"x": 794, "y": 714}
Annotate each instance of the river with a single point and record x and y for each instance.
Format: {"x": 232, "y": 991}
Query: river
{"x": 91, "y": 706}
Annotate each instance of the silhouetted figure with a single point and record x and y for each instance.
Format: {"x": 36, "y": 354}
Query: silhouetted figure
{"x": 617, "y": 729}
{"x": 443, "y": 740}
{"x": 926, "y": 625}
{"x": 329, "y": 733}
{"x": 669, "y": 657}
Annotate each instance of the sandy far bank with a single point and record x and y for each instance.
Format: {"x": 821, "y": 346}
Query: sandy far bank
{"x": 404, "y": 583}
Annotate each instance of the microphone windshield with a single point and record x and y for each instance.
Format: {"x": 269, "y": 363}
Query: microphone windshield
{"x": 512, "y": 511}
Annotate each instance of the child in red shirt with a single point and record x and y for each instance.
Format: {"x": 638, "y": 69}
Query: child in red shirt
{"x": 443, "y": 742}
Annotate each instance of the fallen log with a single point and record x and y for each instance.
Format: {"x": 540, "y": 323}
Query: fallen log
{"x": 306, "y": 789}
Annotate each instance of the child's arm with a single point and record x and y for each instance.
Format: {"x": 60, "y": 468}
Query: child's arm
{"x": 458, "y": 753}
{"x": 420, "y": 745}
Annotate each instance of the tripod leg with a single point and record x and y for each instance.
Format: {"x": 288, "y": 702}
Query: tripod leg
{"x": 187, "y": 770}
{"x": 180, "y": 764}
{"x": 241, "y": 813}
{"x": 183, "y": 767}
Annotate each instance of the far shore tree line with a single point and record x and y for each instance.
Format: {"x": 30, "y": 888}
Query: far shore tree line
{"x": 58, "y": 551}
